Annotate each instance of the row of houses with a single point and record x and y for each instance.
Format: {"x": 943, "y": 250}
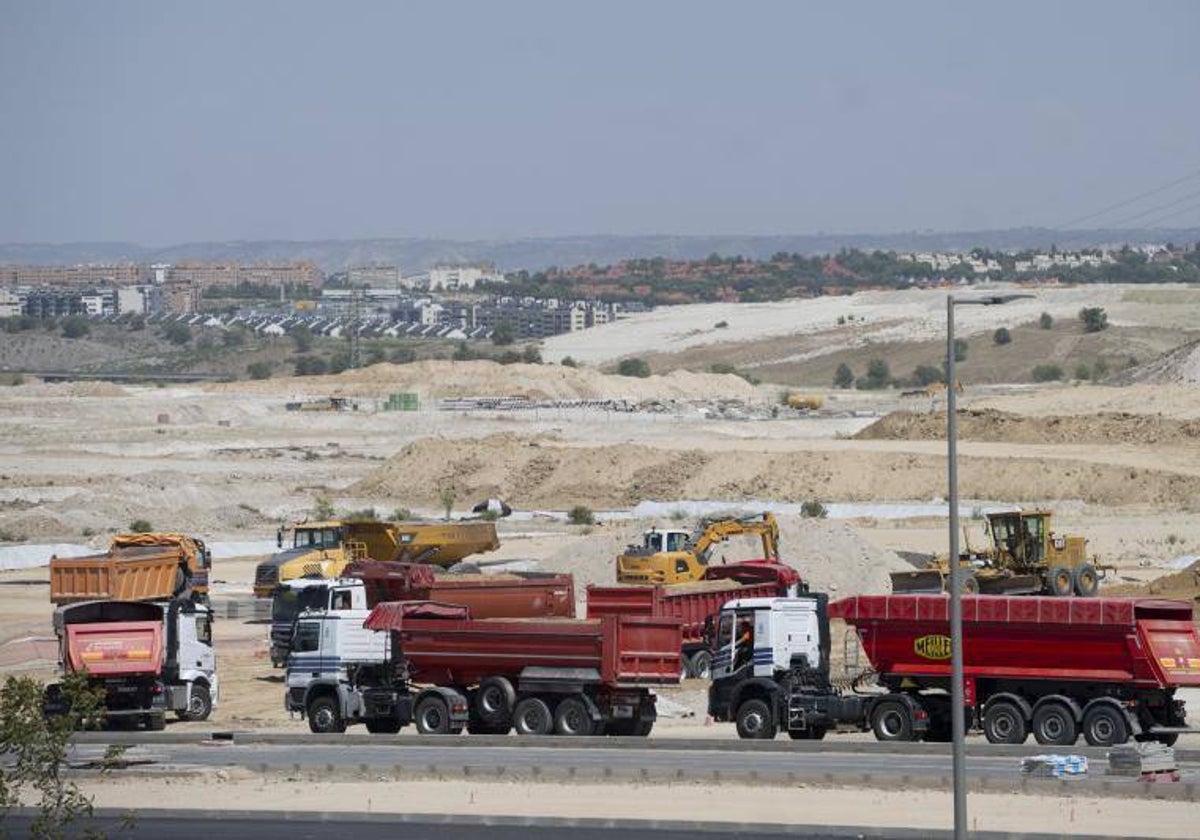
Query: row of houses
{"x": 59, "y": 301}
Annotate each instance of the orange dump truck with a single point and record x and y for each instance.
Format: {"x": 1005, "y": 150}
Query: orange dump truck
{"x": 136, "y": 567}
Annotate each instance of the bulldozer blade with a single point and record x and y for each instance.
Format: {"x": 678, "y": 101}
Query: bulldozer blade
{"x": 917, "y": 582}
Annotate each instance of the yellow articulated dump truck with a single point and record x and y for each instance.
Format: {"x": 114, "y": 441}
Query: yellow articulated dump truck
{"x": 324, "y": 549}
{"x": 136, "y": 567}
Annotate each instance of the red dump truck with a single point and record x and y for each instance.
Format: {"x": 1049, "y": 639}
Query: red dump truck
{"x": 695, "y": 604}
{"x": 371, "y": 582}
{"x": 1106, "y": 668}
{"x": 136, "y": 567}
{"x": 435, "y": 666}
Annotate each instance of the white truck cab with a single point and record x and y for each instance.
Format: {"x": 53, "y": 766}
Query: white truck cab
{"x": 766, "y": 635}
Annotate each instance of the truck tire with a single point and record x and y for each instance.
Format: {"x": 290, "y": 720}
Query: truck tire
{"x": 1105, "y": 726}
{"x": 199, "y": 704}
{"x": 1054, "y": 724}
{"x": 643, "y": 728}
{"x": 892, "y": 721}
{"x": 494, "y": 701}
{"x": 1060, "y": 582}
{"x": 531, "y": 716}
{"x": 1004, "y": 723}
{"x": 755, "y": 720}
{"x": 1087, "y": 583}
{"x": 701, "y": 665}
{"x": 383, "y": 726}
{"x": 572, "y": 718}
{"x": 433, "y": 716}
{"x": 324, "y": 716}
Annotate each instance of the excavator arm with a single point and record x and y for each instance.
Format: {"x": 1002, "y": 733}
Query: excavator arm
{"x": 766, "y": 527}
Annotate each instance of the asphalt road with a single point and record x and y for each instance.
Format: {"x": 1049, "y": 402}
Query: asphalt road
{"x": 492, "y": 760}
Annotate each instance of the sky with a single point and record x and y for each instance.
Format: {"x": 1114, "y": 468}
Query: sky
{"x": 169, "y": 122}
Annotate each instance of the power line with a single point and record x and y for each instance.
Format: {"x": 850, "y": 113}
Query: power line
{"x": 1172, "y": 215}
{"x": 1129, "y": 201}
{"x": 1157, "y": 208}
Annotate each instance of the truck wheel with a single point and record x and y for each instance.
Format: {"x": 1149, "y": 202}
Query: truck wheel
{"x": 324, "y": 716}
{"x": 532, "y": 717}
{"x": 1053, "y": 724}
{"x": 892, "y": 721}
{"x": 1104, "y": 726}
{"x": 701, "y": 665}
{"x": 156, "y": 722}
{"x": 199, "y": 704}
{"x": 755, "y": 721}
{"x": 383, "y": 726}
{"x": 572, "y": 718}
{"x": 1004, "y": 723}
{"x": 433, "y": 716}
{"x": 1087, "y": 584}
{"x": 643, "y": 728}
{"x": 495, "y": 700}
{"x": 1060, "y": 582}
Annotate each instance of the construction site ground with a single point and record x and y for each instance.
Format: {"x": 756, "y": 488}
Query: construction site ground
{"x": 229, "y": 463}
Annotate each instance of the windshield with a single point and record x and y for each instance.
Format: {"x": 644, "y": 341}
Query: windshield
{"x": 316, "y": 538}
{"x": 289, "y": 603}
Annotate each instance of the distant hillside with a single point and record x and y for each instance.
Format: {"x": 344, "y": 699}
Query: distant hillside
{"x": 534, "y": 254}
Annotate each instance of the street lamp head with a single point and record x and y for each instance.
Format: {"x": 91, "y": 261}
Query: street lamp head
{"x": 990, "y": 300}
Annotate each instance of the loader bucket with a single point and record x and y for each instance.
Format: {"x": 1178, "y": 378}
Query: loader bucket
{"x": 928, "y": 581}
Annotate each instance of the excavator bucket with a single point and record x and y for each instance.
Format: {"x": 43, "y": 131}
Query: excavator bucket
{"x": 918, "y": 582}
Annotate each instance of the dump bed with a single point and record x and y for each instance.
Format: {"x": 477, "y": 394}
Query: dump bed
{"x": 614, "y": 650}
{"x": 1140, "y": 641}
{"x": 693, "y": 603}
{"x": 508, "y": 595}
{"x": 111, "y": 638}
{"x": 137, "y": 567}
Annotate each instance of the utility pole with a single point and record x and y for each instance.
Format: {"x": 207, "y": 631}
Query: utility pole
{"x": 356, "y": 295}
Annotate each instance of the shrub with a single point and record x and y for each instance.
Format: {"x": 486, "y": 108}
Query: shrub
{"x": 1100, "y": 370}
{"x": 1094, "y": 319}
{"x": 1047, "y": 373}
{"x": 303, "y": 339}
{"x": 401, "y": 514}
{"x": 140, "y": 526}
{"x": 878, "y": 375}
{"x": 1046, "y": 322}
{"x": 567, "y": 361}
{"x": 447, "y": 497}
{"x": 927, "y": 374}
{"x": 75, "y": 327}
{"x": 844, "y": 377}
{"x": 531, "y": 355}
{"x": 323, "y": 508}
{"x": 177, "y": 332}
{"x": 960, "y": 349}
{"x": 814, "y": 510}
{"x": 581, "y": 515}
{"x": 503, "y": 334}
{"x": 259, "y": 370}
{"x": 1002, "y": 336}
{"x": 310, "y": 365}
{"x": 1082, "y": 371}
{"x": 722, "y": 367}
{"x": 364, "y": 515}
{"x": 633, "y": 367}
{"x": 720, "y": 325}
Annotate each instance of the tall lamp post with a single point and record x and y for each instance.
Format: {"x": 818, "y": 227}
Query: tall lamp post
{"x": 957, "y": 710}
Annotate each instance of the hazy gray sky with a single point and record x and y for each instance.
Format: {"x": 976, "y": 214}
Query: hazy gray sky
{"x": 165, "y": 122}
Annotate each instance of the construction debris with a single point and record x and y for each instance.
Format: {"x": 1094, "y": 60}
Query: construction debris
{"x": 1054, "y": 766}
{"x": 1146, "y": 759}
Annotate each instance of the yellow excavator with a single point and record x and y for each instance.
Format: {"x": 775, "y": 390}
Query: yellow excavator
{"x": 677, "y": 556}
{"x": 325, "y": 549}
{"x": 1024, "y": 556}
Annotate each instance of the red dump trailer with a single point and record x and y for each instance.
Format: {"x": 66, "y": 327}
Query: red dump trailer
{"x": 694, "y": 604}
{"x": 492, "y": 595}
{"x": 1106, "y": 668}
{"x": 443, "y": 670}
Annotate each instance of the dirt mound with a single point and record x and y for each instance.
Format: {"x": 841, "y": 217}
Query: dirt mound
{"x": 1179, "y": 366}
{"x": 69, "y": 389}
{"x": 1180, "y": 586}
{"x": 1003, "y": 427}
{"x": 443, "y": 379}
{"x": 546, "y": 473}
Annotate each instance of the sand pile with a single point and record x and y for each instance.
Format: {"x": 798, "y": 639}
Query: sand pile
{"x": 545, "y": 473}
{"x": 1004, "y": 427}
{"x": 442, "y": 379}
{"x": 1182, "y": 586}
{"x": 1179, "y": 366}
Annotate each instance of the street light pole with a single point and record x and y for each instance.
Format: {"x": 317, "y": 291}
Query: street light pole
{"x": 957, "y": 700}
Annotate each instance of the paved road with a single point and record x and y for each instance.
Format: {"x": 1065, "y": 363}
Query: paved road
{"x": 568, "y": 761}
{"x": 321, "y": 826}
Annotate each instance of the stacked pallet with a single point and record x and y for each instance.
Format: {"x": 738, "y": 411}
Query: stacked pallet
{"x": 1149, "y": 761}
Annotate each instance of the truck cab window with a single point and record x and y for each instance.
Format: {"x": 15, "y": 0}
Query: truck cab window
{"x": 204, "y": 628}
{"x": 307, "y": 637}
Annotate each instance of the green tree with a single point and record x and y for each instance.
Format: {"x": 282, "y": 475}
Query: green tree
{"x": 878, "y": 376}
{"x": 1094, "y": 319}
{"x": 75, "y": 326}
{"x": 503, "y": 335}
{"x": 141, "y": 526}
{"x": 302, "y": 337}
{"x": 1002, "y": 336}
{"x": 567, "y": 361}
{"x": 1047, "y": 373}
{"x": 310, "y": 365}
{"x": 1046, "y": 322}
{"x": 633, "y": 367}
{"x": 35, "y": 745}
{"x": 177, "y": 332}
{"x": 843, "y": 377}
{"x": 447, "y": 496}
{"x": 960, "y": 349}
{"x": 927, "y": 374}
{"x": 531, "y": 355}
{"x": 259, "y": 370}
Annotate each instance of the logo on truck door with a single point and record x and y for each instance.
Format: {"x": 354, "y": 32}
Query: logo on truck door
{"x": 932, "y": 647}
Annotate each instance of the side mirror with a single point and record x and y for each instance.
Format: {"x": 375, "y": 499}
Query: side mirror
{"x": 279, "y": 538}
